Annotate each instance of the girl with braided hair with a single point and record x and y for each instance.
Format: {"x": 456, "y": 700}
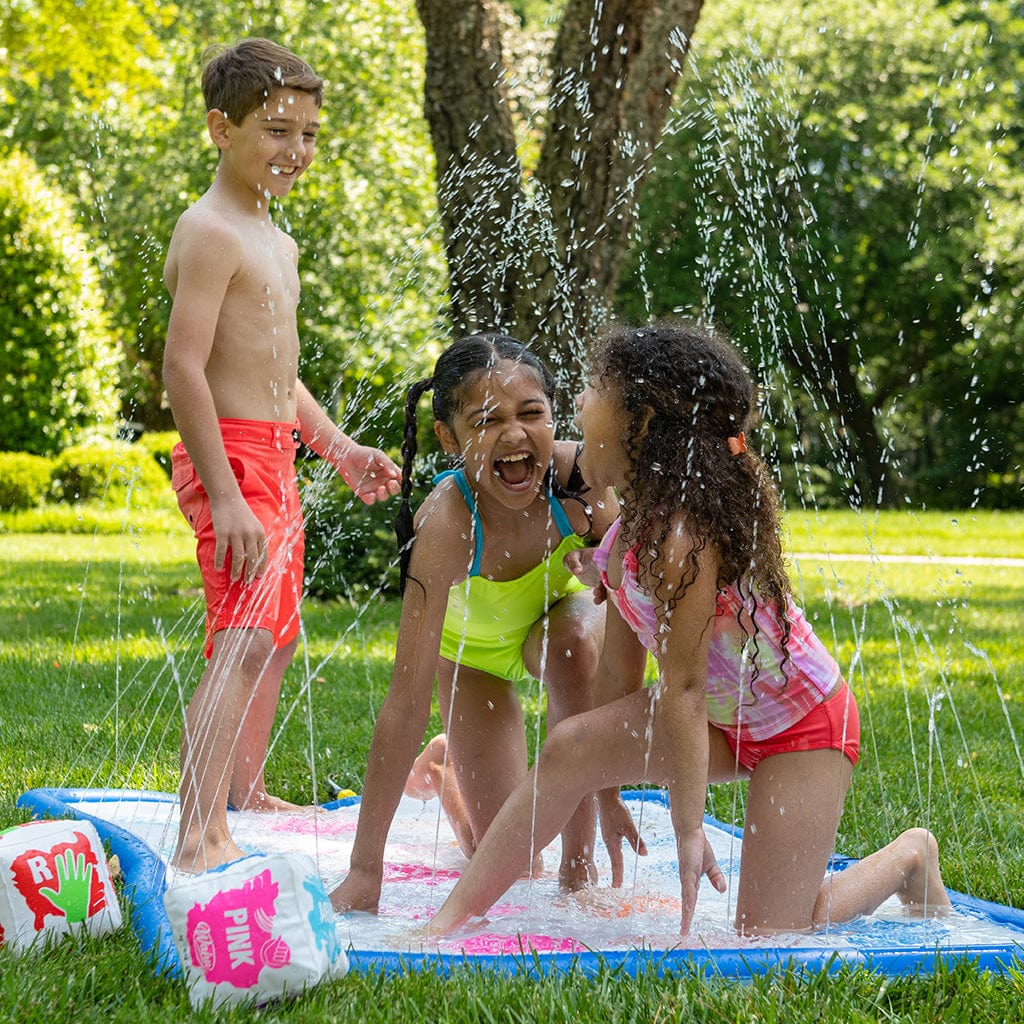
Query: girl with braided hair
{"x": 487, "y": 603}
{"x": 694, "y": 574}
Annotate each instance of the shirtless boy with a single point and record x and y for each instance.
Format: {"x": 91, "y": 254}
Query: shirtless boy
{"x": 230, "y": 370}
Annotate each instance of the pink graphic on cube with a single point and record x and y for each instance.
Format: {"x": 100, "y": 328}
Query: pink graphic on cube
{"x": 230, "y": 937}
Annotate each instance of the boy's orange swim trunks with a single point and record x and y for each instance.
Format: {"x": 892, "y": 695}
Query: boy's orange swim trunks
{"x": 262, "y": 456}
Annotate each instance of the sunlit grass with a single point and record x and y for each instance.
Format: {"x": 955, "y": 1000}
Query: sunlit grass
{"x": 943, "y": 534}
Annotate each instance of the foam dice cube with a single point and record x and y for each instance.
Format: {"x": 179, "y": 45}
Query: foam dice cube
{"x": 254, "y": 930}
{"x": 54, "y": 880}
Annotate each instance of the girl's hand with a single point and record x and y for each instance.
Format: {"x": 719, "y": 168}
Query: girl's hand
{"x": 370, "y": 473}
{"x": 581, "y": 564}
{"x": 711, "y": 868}
{"x": 617, "y": 824}
{"x": 696, "y": 858}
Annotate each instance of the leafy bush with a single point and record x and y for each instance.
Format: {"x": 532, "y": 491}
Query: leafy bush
{"x": 58, "y": 359}
{"x": 117, "y": 472}
{"x": 350, "y": 548}
{"x": 24, "y": 479}
{"x": 94, "y": 519}
{"x": 159, "y": 444}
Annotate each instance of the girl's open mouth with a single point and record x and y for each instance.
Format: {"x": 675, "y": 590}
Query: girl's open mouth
{"x": 515, "y": 470}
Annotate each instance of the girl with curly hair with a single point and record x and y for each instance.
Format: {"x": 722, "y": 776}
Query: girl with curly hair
{"x": 694, "y": 573}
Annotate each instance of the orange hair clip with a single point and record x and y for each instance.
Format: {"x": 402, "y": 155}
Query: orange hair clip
{"x": 738, "y": 444}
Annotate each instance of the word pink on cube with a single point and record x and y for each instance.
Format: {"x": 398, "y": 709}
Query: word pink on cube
{"x": 54, "y": 880}
{"x": 254, "y": 930}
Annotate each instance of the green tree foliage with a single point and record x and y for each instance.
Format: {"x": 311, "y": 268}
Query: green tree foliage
{"x": 58, "y": 359}
{"x": 841, "y": 190}
{"x": 538, "y": 200}
{"x": 89, "y": 50}
{"x": 363, "y": 216}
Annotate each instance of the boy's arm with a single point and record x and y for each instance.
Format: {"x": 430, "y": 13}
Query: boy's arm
{"x": 207, "y": 257}
{"x": 368, "y": 471}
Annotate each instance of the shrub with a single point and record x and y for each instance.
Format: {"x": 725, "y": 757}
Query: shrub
{"x": 116, "y": 472}
{"x": 159, "y": 444}
{"x": 58, "y": 359}
{"x": 24, "y": 479}
{"x": 350, "y": 548}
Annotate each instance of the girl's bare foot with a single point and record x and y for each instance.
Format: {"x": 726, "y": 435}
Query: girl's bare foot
{"x": 922, "y": 893}
{"x": 576, "y": 873}
{"x": 424, "y": 782}
{"x": 432, "y": 776}
{"x": 264, "y": 803}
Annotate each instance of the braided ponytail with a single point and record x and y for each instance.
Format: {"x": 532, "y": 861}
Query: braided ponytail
{"x": 404, "y": 528}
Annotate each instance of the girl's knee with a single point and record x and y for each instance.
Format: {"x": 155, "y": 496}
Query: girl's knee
{"x": 916, "y": 847}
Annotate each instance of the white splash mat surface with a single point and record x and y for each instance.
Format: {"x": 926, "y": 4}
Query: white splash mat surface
{"x": 423, "y": 862}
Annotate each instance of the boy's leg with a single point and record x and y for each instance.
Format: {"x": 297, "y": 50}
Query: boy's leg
{"x": 213, "y": 721}
{"x": 563, "y": 651}
{"x": 248, "y": 789}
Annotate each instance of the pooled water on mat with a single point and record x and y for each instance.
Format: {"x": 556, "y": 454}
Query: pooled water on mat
{"x": 931, "y": 665}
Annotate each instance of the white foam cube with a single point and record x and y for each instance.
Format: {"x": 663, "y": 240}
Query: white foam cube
{"x": 54, "y": 880}
{"x": 254, "y": 930}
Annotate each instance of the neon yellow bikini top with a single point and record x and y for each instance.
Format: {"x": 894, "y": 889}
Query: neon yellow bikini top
{"x": 487, "y": 621}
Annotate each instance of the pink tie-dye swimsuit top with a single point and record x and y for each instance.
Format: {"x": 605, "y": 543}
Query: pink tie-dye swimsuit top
{"x": 783, "y": 690}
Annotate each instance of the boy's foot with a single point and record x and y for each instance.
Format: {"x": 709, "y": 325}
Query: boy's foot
{"x": 922, "y": 894}
{"x": 192, "y": 859}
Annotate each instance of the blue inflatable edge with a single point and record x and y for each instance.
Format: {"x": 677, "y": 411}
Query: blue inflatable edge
{"x": 145, "y": 881}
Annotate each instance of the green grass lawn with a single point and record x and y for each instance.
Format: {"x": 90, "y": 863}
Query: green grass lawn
{"x": 99, "y": 651}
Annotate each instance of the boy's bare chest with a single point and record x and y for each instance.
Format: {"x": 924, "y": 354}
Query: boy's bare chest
{"x": 268, "y": 282}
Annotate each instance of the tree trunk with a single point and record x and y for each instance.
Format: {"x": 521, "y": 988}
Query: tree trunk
{"x": 828, "y": 369}
{"x": 478, "y": 169}
{"x": 540, "y": 256}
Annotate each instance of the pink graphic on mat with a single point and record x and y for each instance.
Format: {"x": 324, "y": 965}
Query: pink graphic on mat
{"x": 230, "y": 937}
{"x": 491, "y": 943}
{"x": 312, "y": 825}
{"x": 418, "y": 873}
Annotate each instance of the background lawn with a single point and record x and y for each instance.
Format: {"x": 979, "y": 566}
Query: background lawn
{"x": 98, "y": 653}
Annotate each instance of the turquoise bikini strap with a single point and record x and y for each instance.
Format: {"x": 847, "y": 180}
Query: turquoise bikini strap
{"x": 467, "y": 493}
{"x": 561, "y": 519}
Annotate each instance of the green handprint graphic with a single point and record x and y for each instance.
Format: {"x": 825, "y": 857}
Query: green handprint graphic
{"x": 74, "y": 881}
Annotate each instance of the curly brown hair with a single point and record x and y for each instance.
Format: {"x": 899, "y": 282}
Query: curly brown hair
{"x": 685, "y": 391}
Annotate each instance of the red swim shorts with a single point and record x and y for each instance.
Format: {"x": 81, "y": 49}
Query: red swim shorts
{"x": 832, "y": 725}
{"x": 262, "y": 456}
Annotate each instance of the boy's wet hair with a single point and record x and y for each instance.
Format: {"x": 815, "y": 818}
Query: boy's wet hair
{"x": 238, "y": 79}
{"x": 457, "y": 369}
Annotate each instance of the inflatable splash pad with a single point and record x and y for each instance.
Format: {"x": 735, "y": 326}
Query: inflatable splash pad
{"x": 534, "y": 927}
